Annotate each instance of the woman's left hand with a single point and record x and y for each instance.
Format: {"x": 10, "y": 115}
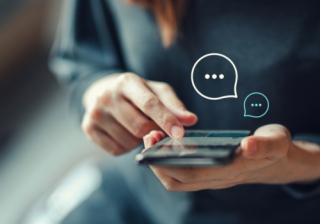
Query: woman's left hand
{"x": 269, "y": 157}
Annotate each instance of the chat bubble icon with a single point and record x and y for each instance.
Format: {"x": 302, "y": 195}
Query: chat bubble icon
{"x": 255, "y": 105}
{"x": 214, "y": 76}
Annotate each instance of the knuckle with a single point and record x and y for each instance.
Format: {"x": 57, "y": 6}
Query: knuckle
{"x": 96, "y": 114}
{"x": 126, "y": 77}
{"x": 148, "y": 101}
{"x": 106, "y": 98}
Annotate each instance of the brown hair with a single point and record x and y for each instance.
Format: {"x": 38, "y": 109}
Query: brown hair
{"x": 169, "y": 14}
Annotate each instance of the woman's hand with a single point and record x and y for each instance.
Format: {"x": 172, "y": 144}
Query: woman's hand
{"x": 268, "y": 157}
{"x": 121, "y": 109}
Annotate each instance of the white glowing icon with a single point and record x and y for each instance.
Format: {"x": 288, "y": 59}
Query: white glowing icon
{"x": 215, "y": 77}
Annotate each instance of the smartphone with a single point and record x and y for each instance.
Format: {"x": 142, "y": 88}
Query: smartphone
{"x": 196, "y": 148}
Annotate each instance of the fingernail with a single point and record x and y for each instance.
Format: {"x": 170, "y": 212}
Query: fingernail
{"x": 176, "y": 131}
{"x": 146, "y": 141}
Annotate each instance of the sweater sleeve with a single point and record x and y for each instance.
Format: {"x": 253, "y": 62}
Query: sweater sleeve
{"x": 303, "y": 191}
{"x": 86, "y": 48}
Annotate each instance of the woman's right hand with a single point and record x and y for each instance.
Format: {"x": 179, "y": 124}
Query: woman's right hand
{"x": 121, "y": 109}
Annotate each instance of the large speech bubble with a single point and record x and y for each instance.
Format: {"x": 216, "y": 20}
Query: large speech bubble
{"x": 214, "y": 76}
{"x": 255, "y": 105}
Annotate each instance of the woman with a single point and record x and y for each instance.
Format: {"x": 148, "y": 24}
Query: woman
{"x": 128, "y": 65}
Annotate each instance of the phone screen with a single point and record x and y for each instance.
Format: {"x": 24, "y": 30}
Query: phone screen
{"x": 202, "y": 147}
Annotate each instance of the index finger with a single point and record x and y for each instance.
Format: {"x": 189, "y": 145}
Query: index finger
{"x": 169, "y": 98}
{"x": 137, "y": 92}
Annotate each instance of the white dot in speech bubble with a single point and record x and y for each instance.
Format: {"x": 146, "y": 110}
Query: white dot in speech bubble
{"x": 215, "y": 76}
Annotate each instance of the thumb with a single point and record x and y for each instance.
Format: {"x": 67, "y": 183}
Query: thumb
{"x": 269, "y": 141}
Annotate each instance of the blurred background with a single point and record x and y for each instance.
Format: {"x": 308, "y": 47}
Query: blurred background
{"x": 40, "y": 140}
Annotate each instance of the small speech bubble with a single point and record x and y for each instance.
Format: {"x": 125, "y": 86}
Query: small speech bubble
{"x": 255, "y": 105}
{"x": 214, "y": 77}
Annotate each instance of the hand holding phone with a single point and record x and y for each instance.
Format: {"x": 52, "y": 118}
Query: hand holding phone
{"x": 267, "y": 157}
